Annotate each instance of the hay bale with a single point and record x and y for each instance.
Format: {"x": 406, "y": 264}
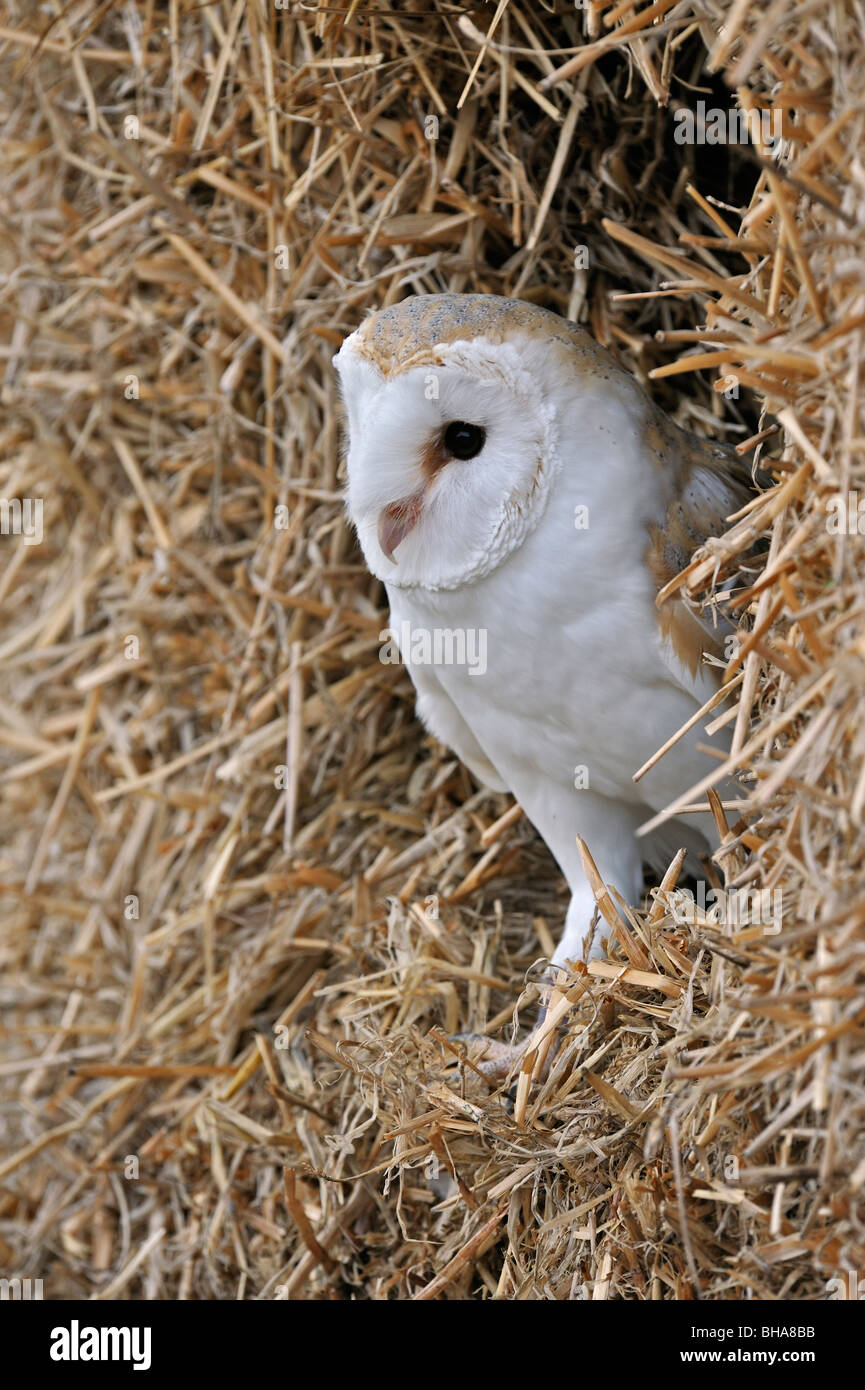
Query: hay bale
{"x": 246, "y": 902}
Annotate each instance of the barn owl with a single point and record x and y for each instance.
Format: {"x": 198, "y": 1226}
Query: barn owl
{"x": 523, "y": 501}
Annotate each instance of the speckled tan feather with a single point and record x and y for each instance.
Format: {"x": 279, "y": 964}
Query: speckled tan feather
{"x": 407, "y": 334}
{"x": 692, "y": 516}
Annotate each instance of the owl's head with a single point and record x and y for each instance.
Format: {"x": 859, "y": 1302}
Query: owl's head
{"x": 454, "y": 415}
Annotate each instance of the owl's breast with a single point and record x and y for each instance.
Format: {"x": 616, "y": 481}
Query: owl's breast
{"x": 545, "y": 683}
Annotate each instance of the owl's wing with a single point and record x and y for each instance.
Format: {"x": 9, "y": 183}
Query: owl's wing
{"x": 708, "y": 481}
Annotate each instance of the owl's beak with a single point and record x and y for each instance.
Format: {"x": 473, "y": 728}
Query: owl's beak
{"x": 396, "y": 521}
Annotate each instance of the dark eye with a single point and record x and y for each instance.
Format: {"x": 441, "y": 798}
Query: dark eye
{"x": 464, "y": 441}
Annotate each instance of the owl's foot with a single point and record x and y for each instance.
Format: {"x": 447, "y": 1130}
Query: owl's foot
{"x": 489, "y": 1058}
{"x": 539, "y": 1051}
{"x": 495, "y": 1060}
{"x": 530, "y": 1059}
